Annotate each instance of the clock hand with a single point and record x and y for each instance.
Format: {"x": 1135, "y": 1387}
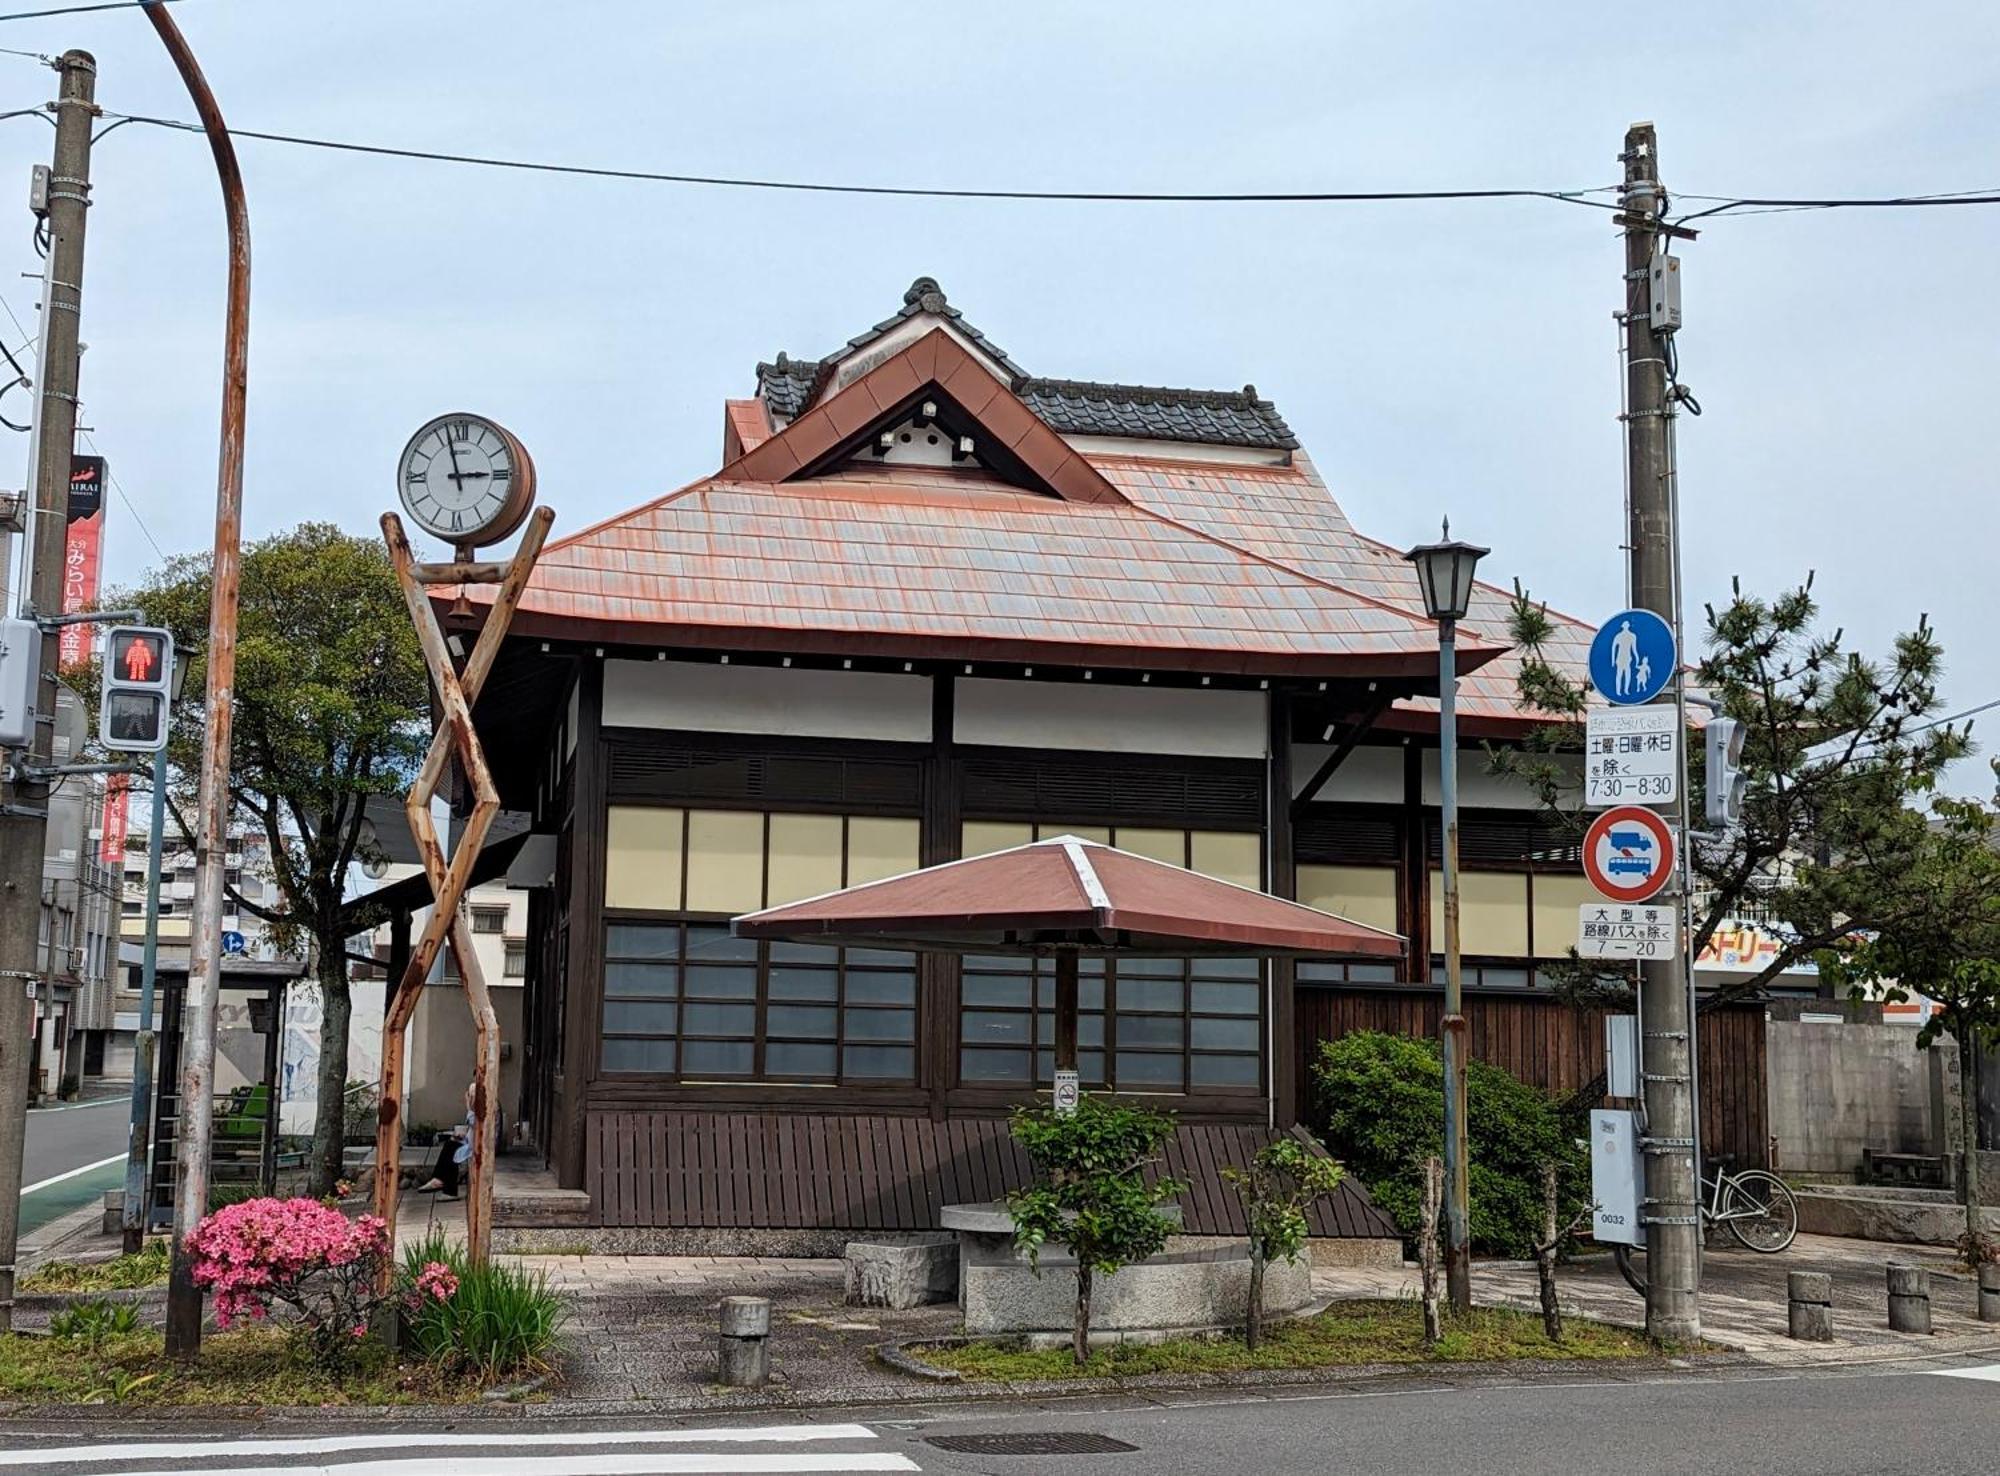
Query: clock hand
{"x": 455, "y": 474}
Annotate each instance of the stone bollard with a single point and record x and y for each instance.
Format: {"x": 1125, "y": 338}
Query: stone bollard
{"x": 743, "y": 1353}
{"x": 1811, "y": 1297}
{"x": 1989, "y": 1292}
{"x": 1909, "y": 1299}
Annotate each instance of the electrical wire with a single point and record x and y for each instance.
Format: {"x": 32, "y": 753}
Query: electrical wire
{"x": 84, "y": 9}
{"x": 1227, "y": 197}
{"x": 119, "y": 487}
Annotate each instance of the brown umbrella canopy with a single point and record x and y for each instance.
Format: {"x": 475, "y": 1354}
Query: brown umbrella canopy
{"x": 1067, "y": 896}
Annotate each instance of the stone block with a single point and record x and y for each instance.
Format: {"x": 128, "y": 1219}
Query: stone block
{"x": 900, "y": 1276}
{"x": 1909, "y": 1299}
{"x": 743, "y": 1346}
{"x": 1810, "y": 1306}
{"x": 1989, "y": 1292}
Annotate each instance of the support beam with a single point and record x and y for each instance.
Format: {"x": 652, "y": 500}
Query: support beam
{"x": 1356, "y": 731}
{"x": 1281, "y": 880}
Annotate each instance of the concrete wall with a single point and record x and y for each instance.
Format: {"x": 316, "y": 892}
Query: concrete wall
{"x": 1837, "y": 1089}
{"x": 441, "y": 1038}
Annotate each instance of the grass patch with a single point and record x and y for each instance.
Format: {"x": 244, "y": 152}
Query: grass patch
{"x": 1346, "y": 1333}
{"x": 256, "y": 1366}
{"x": 146, "y": 1267}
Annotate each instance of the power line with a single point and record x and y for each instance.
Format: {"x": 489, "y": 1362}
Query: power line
{"x": 84, "y": 9}
{"x": 1228, "y": 197}
{"x": 119, "y": 487}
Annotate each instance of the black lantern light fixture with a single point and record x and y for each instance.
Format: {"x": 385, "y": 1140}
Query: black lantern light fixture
{"x": 1445, "y": 569}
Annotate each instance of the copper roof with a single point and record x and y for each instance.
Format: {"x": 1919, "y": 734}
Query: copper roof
{"x": 1068, "y": 893}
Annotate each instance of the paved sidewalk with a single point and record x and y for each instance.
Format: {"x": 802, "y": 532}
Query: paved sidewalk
{"x": 1742, "y": 1298}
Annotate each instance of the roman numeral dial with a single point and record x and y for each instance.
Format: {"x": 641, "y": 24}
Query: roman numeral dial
{"x": 466, "y": 479}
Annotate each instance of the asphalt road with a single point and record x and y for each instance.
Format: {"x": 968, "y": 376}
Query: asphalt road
{"x": 1734, "y": 1423}
{"x": 62, "y": 1140}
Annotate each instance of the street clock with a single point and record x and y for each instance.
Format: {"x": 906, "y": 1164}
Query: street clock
{"x": 466, "y": 479}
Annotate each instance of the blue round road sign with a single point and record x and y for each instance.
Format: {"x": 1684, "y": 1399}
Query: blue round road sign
{"x": 1633, "y": 657}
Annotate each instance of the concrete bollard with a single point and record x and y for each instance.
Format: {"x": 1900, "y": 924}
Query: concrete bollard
{"x": 1810, "y": 1294}
{"x": 743, "y": 1352}
{"x": 1989, "y": 1292}
{"x": 1909, "y": 1299}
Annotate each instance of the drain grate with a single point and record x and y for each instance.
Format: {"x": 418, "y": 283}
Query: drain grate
{"x": 1055, "y": 1442}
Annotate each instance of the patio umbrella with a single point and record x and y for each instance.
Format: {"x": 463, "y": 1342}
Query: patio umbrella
{"x": 1066, "y": 897}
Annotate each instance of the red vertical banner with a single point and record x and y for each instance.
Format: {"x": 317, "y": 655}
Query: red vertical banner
{"x": 83, "y": 549}
{"x": 117, "y": 818}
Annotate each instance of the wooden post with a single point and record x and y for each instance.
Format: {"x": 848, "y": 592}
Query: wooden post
{"x": 1066, "y": 1010}
{"x": 455, "y": 736}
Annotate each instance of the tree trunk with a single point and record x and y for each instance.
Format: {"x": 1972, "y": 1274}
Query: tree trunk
{"x": 1080, "y": 1336}
{"x": 1545, "y": 1257}
{"x": 329, "y": 1121}
{"x": 1968, "y": 1106}
{"x": 1253, "y": 1324}
{"x": 1427, "y": 1250}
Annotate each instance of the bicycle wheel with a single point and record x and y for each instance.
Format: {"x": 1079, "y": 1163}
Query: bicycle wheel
{"x": 1631, "y": 1261}
{"x": 1760, "y": 1211}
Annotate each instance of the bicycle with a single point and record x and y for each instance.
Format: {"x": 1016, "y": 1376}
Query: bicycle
{"x": 1758, "y": 1208}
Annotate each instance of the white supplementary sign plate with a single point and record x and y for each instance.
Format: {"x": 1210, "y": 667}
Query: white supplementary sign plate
{"x": 1631, "y": 756}
{"x": 1626, "y": 930}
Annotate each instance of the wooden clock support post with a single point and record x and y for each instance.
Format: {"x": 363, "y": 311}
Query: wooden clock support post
{"x": 456, "y": 691}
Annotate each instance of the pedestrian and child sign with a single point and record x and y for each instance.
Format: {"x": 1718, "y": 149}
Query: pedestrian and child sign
{"x": 1633, "y": 657}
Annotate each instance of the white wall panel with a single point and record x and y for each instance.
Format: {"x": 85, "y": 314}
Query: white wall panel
{"x": 1094, "y": 719}
{"x": 711, "y": 698}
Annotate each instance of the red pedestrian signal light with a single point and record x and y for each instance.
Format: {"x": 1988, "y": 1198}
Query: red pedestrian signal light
{"x": 138, "y": 672}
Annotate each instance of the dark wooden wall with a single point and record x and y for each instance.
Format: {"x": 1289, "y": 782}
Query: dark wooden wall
{"x": 1554, "y": 1046}
{"x": 778, "y": 1170}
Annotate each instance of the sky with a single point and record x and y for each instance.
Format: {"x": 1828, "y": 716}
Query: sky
{"x": 1435, "y": 358}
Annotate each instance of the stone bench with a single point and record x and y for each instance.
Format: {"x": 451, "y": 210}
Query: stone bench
{"x": 900, "y": 1275}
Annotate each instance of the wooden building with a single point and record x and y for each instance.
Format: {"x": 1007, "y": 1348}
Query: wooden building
{"x": 931, "y": 605}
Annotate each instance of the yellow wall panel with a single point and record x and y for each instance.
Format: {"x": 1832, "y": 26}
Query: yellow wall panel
{"x": 1366, "y": 894}
{"x": 1557, "y": 897}
{"x": 725, "y": 867}
{"x": 1169, "y": 846}
{"x": 1050, "y": 830}
{"x": 805, "y": 857}
{"x": 984, "y": 837}
{"x": 642, "y": 862}
{"x": 1493, "y": 913}
{"x": 1231, "y": 856}
{"x": 878, "y": 847}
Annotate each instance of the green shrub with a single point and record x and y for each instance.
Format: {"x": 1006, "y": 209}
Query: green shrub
{"x": 147, "y": 1266}
{"x": 93, "y": 1322}
{"x": 499, "y": 1321}
{"x": 1380, "y": 1100}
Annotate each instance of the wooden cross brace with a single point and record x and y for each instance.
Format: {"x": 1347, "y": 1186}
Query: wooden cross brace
{"x": 455, "y": 737}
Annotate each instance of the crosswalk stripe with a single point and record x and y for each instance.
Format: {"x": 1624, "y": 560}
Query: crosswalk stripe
{"x": 427, "y": 1441}
{"x": 1990, "y": 1373}
{"x": 633, "y": 1463}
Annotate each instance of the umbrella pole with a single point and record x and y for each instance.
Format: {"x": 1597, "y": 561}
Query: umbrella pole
{"x": 1066, "y": 1010}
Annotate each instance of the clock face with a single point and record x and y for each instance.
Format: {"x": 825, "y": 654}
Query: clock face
{"x": 465, "y": 479}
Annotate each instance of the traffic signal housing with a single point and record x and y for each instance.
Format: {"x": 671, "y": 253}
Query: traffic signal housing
{"x": 137, "y": 689}
{"x": 1723, "y": 750}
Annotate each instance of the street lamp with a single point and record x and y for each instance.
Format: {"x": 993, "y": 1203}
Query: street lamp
{"x": 1444, "y": 569}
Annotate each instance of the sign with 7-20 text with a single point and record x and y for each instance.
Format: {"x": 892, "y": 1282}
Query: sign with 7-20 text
{"x": 1625, "y": 930}
{"x": 1631, "y": 756}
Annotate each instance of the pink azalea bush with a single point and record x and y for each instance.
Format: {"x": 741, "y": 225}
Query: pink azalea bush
{"x": 305, "y": 1255}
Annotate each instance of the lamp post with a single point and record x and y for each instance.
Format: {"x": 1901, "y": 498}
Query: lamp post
{"x": 1444, "y": 569}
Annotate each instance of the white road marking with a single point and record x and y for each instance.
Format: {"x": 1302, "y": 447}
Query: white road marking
{"x": 174, "y": 1450}
{"x": 635, "y": 1464}
{"x": 1990, "y": 1373}
{"x": 73, "y": 1173}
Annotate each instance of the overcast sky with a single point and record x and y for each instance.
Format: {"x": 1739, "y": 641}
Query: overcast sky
{"x": 1454, "y": 357}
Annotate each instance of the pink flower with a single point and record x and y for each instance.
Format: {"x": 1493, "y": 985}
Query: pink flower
{"x": 437, "y": 1282}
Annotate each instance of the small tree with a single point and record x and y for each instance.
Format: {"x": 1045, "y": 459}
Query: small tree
{"x": 1949, "y": 951}
{"x": 1837, "y": 748}
{"x": 1283, "y": 1181}
{"x": 330, "y": 705}
{"x": 1090, "y": 1194}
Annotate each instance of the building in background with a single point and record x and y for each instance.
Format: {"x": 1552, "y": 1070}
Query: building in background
{"x": 78, "y": 934}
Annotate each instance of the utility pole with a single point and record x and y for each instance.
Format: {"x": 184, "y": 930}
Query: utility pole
{"x": 197, "y": 1105}
{"x": 24, "y": 801}
{"x": 1673, "y": 1217}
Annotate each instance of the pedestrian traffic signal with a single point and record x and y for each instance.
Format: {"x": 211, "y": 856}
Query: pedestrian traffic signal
{"x": 138, "y": 682}
{"x": 1723, "y": 750}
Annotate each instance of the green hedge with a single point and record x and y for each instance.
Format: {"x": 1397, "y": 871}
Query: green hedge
{"x": 1380, "y": 1103}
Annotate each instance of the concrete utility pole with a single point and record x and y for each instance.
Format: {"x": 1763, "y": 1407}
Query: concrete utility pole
{"x": 1673, "y": 1218}
{"x": 24, "y": 805}
{"x": 211, "y": 838}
